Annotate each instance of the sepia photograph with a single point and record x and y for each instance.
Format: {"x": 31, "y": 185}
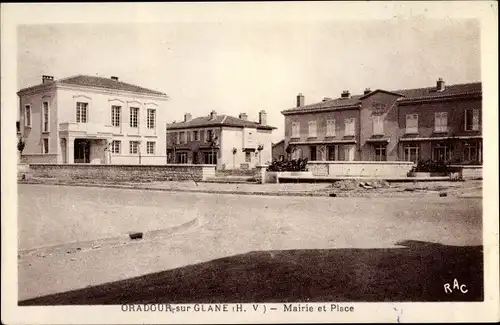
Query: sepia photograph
{"x": 209, "y": 167}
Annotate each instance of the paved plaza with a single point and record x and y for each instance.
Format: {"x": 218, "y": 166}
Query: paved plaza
{"x": 89, "y": 228}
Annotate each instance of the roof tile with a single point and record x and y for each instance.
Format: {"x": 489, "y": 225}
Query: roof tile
{"x": 99, "y": 82}
{"x": 407, "y": 94}
{"x": 219, "y": 120}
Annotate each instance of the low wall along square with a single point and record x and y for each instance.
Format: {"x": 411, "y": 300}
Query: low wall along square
{"x": 360, "y": 168}
{"x": 124, "y": 173}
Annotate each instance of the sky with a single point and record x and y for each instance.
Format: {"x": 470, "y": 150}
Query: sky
{"x": 234, "y": 67}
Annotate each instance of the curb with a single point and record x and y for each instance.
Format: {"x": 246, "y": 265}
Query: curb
{"x": 108, "y": 242}
{"x": 327, "y": 193}
{"x": 132, "y": 187}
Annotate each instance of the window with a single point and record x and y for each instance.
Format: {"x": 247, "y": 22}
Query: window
{"x": 330, "y": 128}
{"x": 210, "y": 135}
{"x": 210, "y": 158}
{"x": 115, "y": 115}
{"x": 45, "y": 145}
{"x": 182, "y": 137}
{"x": 471, "y": 120}
{"x": 250, "y": 137}
{"x": 116, "y": 146}
{"x": 45, "y": 119}
{"x": 333, "y": 152}
{"x": 295, "y": 130}
{"x": 81, "y": 112}
{"x": 312, "y": 129}
{"x": 150, "y": 147}
{"x": 248, "y": 157}
{"x": 27, "y": 117}
{"x": 381, "y": 152}
{"x": 471, "y": 152}
{"x": 349, "y": 126}
{"x": 412, "y": 123}
{"x": 196, "y": 136}
{"x": 378, "y": 125}
{"x": 175, "y": 138}
{"x": 151, "y": 118}
{"x": 410, "y": 152}
{"x": 182, "y": 158}
{"x": 441, "y": 152}
{"x": 441, "y": 122}
{"x": 134, "y": 147}
{"x": 134, "y": 117}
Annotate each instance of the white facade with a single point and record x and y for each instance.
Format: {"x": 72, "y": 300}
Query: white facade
{"x": 246, "y": 141}
{"x": 237, "y": 147}
{"x": 80, "y": 128}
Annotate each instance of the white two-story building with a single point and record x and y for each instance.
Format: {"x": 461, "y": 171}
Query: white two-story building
{"x": 225, "y": 141}
{"x": 88, "y": 119}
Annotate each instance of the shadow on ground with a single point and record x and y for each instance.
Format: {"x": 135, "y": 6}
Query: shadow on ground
{"x": 417, "y": 271}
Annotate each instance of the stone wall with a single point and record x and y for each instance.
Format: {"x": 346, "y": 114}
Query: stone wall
{"x": 123, "y": 173}
{"x": 39, "y": 158}
{"x": 469, "y": 172}
{"x": 360, "y": 168}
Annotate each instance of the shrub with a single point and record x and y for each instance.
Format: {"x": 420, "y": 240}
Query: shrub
{"x": 20, "y": 145}
{"x": 294, "y": 165}
{"x": 433, "y": 166}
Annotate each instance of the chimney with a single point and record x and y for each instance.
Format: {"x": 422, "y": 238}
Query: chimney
{"x": 243, "y": 116}
{"x": 367, "y": 91}
{"x": 187, "y": 117}
{"x": 47, "y": 79}
{"x": 213, "y": 115}
{"x": 300, "y": 100}
{"x": 345, "y": 94}
{"x": 325, "y": 99}
{"x": 440, "y": 84}
{"x": 263, "y": 117}
{"x": 114, "y": 78}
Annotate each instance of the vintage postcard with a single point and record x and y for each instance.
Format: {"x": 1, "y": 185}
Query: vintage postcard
{"x": 249, "y": 162}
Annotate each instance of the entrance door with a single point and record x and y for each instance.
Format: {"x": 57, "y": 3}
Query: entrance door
{"x": 312, "y": 149}
{"x": 441, "y": 153}
{"x": 82, "y": 151}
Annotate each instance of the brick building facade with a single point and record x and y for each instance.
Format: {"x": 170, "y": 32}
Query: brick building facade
{"x": 440, "y": 123}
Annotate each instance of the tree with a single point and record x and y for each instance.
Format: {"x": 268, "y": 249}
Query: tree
{"x": 234, "y": 155}
{"x": 290, "y": 150}
{"x": 259, "y": 149}
{"x": 212, "y": 142}
{"x": 107, "y": 148}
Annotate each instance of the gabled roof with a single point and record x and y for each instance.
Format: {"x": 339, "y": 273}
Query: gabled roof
{"x": 219, "y": 120}
{"x": 97, "y": 82}
{"x": 373, "y": 92}
{"x": 406, "y": 95}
